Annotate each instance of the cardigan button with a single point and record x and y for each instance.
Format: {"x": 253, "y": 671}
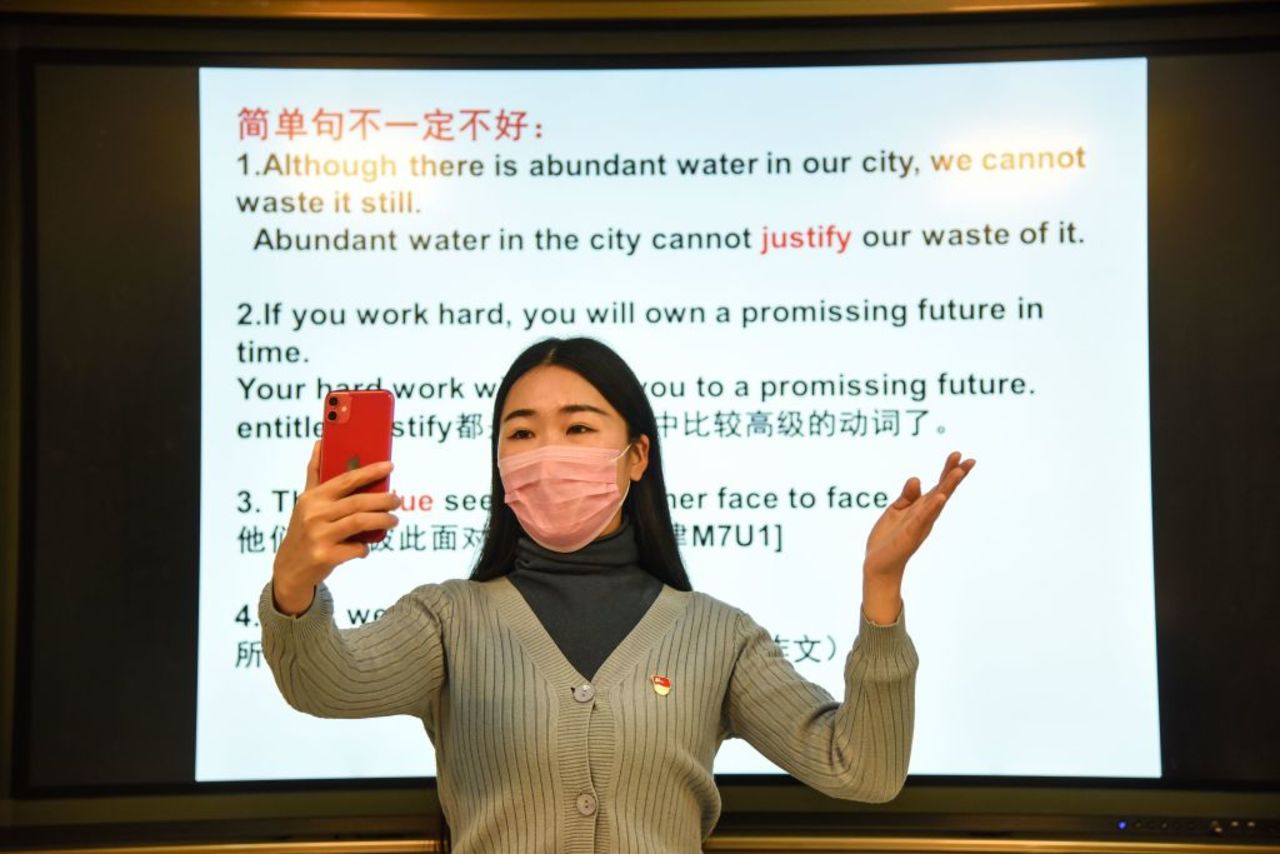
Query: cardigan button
{"x": 586, "y": 803}
{"x": 584, "y": 693}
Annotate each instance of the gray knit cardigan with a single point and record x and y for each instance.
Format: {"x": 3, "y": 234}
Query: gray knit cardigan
{"x": 533, "y": 757}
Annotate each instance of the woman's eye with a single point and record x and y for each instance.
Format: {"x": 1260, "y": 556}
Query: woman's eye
{"x": 517, "y": 434}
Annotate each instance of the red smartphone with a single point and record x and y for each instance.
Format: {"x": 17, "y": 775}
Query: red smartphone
{"x": 357, "y": 432}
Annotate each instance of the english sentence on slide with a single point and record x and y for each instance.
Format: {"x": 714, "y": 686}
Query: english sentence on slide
{"x": 829, "y": 237}
{"x": 886, "y": 162}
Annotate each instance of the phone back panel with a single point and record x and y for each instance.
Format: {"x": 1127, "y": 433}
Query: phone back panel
{"x": 359, "y": 435}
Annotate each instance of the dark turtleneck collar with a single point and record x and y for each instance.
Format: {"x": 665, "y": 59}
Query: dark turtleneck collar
{"x": 588, "y": 600}
{"x": 616, "y": 550}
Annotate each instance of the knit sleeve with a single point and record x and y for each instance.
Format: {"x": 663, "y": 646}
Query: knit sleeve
{"x": 394, "y": 665}
{"x": 856, "y": 750}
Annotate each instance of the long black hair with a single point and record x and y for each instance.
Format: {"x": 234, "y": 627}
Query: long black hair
{"x": 646, "y": 501}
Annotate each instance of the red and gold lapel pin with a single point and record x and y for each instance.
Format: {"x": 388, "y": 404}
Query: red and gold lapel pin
{"x": 661, "y": 685}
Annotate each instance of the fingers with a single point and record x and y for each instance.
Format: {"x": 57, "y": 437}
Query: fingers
{"x": 937, "y": 497}
{"x": 349, "y": 481}
{"x": 313, "y": 467}
{"x": 917, "y": 513}
{"x": 362, "y": 501}
{"x": 922, "y": 513}
{"x": 910, "y": 492}
{"x": 952, "y": 459}
{"x": 344, "y": 552}
{"x": 920, "y": 516}
{"x": 953, "y": 472}
{"x": 932, "y": 510}
{"x": 359, "y": 522}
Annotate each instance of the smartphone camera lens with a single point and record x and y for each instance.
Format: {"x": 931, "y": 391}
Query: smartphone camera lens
{"x": 333, "y": 416}
{"x": 333, "y": 401}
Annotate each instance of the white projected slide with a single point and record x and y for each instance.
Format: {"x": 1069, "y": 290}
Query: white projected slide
{"x": 828, "y": 279}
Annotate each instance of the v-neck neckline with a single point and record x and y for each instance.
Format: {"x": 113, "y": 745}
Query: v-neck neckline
{"x": 547, "y": 655}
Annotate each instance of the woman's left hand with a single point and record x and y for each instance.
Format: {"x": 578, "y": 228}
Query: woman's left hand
{"x": 905, "y": 524}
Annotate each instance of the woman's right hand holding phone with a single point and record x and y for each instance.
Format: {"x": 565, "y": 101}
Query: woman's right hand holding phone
{"x": 324, "y": 516}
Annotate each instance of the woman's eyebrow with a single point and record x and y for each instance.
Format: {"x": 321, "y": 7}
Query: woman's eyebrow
{"x": 571, "y": 407}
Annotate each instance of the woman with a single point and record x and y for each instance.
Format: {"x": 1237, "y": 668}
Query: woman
{"x": 576, "y": 689}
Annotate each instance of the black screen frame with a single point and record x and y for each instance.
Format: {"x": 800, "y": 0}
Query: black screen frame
{"x": 31, "y": 58}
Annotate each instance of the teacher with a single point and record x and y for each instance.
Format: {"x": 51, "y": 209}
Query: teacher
{"x": 575, "y": 687}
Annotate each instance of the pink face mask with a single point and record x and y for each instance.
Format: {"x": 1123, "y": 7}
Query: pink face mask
{"x": 563, "y": 495}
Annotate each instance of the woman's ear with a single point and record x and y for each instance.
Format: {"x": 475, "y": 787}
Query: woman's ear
{"x": 638, "y": 457}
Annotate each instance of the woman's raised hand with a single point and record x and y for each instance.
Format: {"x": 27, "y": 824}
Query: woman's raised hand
{"x": 907, "y": 521}
{"x": 324, "y": 516}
